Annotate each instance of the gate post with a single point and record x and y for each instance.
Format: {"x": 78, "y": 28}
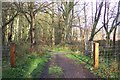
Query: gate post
{"x": 12, "y": 54}
{"x": 96, "y": 55}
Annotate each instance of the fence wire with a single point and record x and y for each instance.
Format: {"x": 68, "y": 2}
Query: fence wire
{"x": 109, "y": 57}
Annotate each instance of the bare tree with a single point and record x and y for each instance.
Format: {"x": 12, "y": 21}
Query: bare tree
{"x": 66, "y": 8}
{"x": 114, "y": 24}
{"x": 96, "y": 19}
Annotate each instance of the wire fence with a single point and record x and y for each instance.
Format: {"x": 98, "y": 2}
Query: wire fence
{"x": 109, "y": 57}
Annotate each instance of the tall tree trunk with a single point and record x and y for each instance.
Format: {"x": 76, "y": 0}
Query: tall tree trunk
{"x": 63, "y": 36}
{"x": 92, "y": 32}
{"x": 114, "y": 39}
{"x": 10, "y": 33}
{"x": 17, "y": 29}
{"x": 58, "y": 32}
{"x": 32, "y": 31}
{"x": 64, "y": 32}
{"x": 20, "y": 28}
{"x": 53, "y": 27}
{"x": 66, "y": 29}
{"x": 70, "y": 25}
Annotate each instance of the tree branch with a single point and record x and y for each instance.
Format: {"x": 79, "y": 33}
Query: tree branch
{"x": 98, "y": 30}
{"x": 10, "y": 20}
{"x": 42, "y": 7}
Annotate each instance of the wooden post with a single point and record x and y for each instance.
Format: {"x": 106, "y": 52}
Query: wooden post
{"x": 12, "y": 54}
{"x": 96, "y": 55}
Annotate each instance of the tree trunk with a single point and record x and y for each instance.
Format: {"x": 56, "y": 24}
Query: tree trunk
{"x": 53, "y": 36}
{"x": 10, "y": 33}
{"x": 53, "y": 27}
{"x": 96, "y": 19}
{"x": 20, "y": 28}
{"x": 70, "y": 26}
{"x": 108, "y": 39}
{"x": 32, "y": 31}
{"x": 114, "y": 39}
{"x": 63, "y": 36}
{"x": 58, "y": 33}
{"x": 93, "y": 31}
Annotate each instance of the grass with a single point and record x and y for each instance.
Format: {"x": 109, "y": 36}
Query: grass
{"x": 55, "y": 71}
{"x": 61, "y": 49}
{"x": 103, "y": 71}
{"x": 26, "y": 66}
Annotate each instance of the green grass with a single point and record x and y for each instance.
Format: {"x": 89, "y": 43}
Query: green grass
{"x": 80, "y": 57}
{"x": 38, "y": 70}
{"x": 62, "y": 49}
{"x": 55, "y": 71}
{"x": 26, "y": 66}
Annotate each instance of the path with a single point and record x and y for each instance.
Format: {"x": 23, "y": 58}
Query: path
{"x": 70, "y": 68}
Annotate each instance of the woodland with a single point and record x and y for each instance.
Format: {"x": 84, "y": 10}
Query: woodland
{"x": 41, "y": 34}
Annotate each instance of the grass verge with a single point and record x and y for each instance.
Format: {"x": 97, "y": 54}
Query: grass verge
{"x": 26, "y": 67}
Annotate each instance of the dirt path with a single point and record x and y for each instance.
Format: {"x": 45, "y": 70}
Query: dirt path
{"x": 70, "y": 68}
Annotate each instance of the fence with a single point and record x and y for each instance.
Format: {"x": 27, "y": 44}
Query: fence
{"x": 108, "y": 60}
{"x": 109, "y": 56}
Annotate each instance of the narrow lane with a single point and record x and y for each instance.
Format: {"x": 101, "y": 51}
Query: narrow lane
{"x": 70, "y": 68}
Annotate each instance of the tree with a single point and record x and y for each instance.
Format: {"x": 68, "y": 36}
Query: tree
{"x": 52, "y": 26}
{"x": 66, "y": 8}
{"x": 96, "y": 19}
{"x": 30, "y": 14}
{"x": 114, "y": 24}
{"x": 8, "y": 11}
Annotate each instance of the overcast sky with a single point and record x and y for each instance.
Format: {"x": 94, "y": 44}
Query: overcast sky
{"x": 89, "y": 10}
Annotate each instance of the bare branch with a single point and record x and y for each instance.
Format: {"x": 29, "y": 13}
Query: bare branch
{"x": 10, "y": 20}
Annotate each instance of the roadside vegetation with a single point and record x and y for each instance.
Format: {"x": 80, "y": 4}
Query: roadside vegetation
{"x": 28, "y": 65}
{"x": 106, "y": 69}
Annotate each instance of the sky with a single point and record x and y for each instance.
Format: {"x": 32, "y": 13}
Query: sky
{"x": 89, "y": 10}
